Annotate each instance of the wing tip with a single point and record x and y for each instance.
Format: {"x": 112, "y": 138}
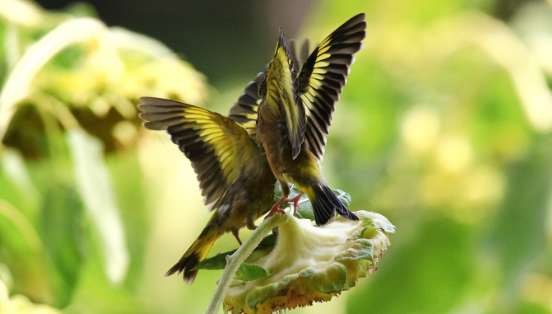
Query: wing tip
{"x": 160, "y": 113}
{"x": 356, "y": 24}
{"x": 359, "y": 17}
{"x": 297, "y": 141}
{"x": 149, "y": 100}
{"x": 283, "y": 43}
{"x": 295, "y": 151}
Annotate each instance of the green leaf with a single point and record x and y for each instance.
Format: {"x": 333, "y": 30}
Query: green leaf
{"x": 14, "y": 167}
{"x": 21, "y": 250}
{"x": 16, "y": 173}
{"x": 219, "y": 261}
{"x": 95, "y": 188}
{"x": 216, "y": 262}
{"x": 128, "y": 183}
{"x": 248, "y": 272}
{"x": 62, "y": 231}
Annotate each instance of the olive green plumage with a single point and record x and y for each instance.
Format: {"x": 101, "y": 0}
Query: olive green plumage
{"x": 285, "y": 112}
{"x": 296, "y": 108}
{"x": 232, "y": 170}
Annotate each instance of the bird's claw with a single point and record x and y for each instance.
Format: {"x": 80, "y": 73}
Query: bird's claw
{"x": 284, "y": 199}
{"x": 295, "y": 202}
{"x": 276, "y": 207}
{"x": 236, "y": 234}
{"x": 251, "y": 225}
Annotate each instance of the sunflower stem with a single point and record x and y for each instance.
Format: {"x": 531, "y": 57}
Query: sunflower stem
{"x": 243, "y": 252}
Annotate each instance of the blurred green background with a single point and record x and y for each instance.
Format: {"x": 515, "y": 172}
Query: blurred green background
{"x": 444, "y": 127}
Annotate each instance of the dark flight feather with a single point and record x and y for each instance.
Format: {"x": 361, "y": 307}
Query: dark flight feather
{"x": 322, "y": 78}
{"x": 218, "y": 148}
{"x": 244, "y": 111}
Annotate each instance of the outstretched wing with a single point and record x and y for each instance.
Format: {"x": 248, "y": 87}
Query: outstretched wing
{"x": 280, "y": 92}
{"x": 245, "y": 110}
{"x": 300, "y": 54}
{"x": 218, "y": 148}
{"x": 322, "y": 77}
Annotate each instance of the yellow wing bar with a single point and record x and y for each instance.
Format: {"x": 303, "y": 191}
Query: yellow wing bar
{"x": 323, "y": 75}
{"x": 218, "y": 148}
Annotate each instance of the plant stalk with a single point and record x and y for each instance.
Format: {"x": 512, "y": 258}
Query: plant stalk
{"x": 243, "y": 252}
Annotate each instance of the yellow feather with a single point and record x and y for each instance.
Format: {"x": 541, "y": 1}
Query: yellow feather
{"x": 323, "y": 56}
{"x": 319, "y": 71}
{"x": 322, "y": 64}
{"x": 324, "y": 46}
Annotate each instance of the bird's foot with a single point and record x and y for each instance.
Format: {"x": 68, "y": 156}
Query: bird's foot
{"x": 251, "y": 224}
{"x": 295, "y": 202}
{"x": 236, "y": 234}
{"x": 276, "y": 207}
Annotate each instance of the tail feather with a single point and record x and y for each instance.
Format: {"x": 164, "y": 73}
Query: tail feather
{"x": 187, "y": 264}
{"x": 325, "y": 203}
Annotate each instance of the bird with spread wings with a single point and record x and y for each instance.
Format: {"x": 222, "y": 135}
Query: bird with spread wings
{"x": 292, "y": 116}
{"x": 232, "y": 170}
{"x": 236, "y": 176}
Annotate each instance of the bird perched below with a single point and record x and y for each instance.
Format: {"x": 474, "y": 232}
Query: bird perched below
{"x": 295, "y": 112}
{"x": 232, "y": 169}
{"x": 236, "y": 177}
{"x": 234, "y": 174}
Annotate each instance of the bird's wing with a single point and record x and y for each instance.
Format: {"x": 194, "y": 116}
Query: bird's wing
{"x": 246, "y": 108}
{"x": 322, "y": 77}
{"x": 302, "y": 54}
{"x": 299, "y": 54}
{"x": 218, "y": 148}
{"x": 280, "y": 92}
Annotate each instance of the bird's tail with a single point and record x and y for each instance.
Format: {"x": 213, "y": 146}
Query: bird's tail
{"x": 325, "y": 203}
{"x": 187, "y": 265}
